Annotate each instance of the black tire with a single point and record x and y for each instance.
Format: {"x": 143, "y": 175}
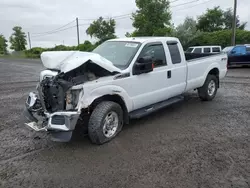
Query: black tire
{"x": 97, "y": 119}
{"x": 204, "y": 90}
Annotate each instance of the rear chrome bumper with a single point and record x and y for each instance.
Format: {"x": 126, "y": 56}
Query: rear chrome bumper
{"x": 62, "y": 121}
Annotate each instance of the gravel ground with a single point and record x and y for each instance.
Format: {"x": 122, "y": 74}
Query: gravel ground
{"x": 191, "y": 144}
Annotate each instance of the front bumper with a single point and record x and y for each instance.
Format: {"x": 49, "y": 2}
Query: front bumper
{"x": 57, "y": 122}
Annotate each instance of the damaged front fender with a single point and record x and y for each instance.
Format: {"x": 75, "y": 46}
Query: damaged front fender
{"x": 90, "y": 97}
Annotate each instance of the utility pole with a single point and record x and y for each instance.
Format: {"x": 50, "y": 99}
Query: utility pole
{"x": 29, "y": 39}
{"x": 77, "y": 27}
{"x": 234, "y": 24}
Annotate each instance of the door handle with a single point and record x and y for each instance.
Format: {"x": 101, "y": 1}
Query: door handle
{"x": 169, "y": 74}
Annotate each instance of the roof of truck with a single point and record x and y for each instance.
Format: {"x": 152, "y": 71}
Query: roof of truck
{"x": 143, "y": 39}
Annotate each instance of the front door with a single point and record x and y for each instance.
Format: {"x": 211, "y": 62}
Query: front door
{"x": 238, "y": 55}
{"x": 150, "y": 88}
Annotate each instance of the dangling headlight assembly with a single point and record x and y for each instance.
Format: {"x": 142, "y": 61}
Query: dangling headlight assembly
{"x": 47, "y": 74}
{"x": 72, "y": 98}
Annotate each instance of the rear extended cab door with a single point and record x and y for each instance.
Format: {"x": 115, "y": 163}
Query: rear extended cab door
{"x": 177, "y": 68}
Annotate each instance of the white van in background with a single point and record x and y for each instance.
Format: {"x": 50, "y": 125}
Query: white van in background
{"x": 204, "y": 49}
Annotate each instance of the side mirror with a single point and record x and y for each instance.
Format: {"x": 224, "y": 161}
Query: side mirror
{"x": 143, "y": 65}
{"x": 233, "y": 52}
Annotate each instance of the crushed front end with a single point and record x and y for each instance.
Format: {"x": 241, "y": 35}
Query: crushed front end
{"x": 46, "y": 111}
{"x": 53, "y": 107}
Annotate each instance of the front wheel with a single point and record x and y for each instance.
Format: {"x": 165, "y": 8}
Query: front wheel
{"x": 208, "y": 91}
{"x": 105, "y": 122}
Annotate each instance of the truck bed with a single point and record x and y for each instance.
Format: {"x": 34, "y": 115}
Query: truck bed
{"x": 197, "y": 69}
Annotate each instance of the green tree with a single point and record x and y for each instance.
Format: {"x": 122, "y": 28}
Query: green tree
{"x": 186, "y": 31}
{"x": 127, "y": 34}
{"x": 216, "y": 19}
{"x": 222, "y": 38}
{"x": 211, "y": 21}
{"x": 87, "y": 46}
{"x": 3, "y": 45}
{"x": 34, "y": 52}
{"x": 102, "y": 29}
{"x": 152, "y": 18}
{"x": 18, "y": 39}
{"x": 228, "y": 19}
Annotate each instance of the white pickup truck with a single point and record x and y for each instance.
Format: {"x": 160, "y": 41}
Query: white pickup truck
{"x": 121, "y": 79}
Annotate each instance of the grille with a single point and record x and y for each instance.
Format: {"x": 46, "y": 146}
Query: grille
{"x": 58, "y": 120}
{"x": 41, "y": 97}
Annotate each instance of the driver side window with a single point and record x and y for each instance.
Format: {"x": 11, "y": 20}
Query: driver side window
{"x": 239, "y": 50}
{"x": 156, "y": 52}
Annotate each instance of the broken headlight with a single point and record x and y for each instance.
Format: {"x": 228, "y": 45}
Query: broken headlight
{"x": 72, "y": 98}
{"x": 47, "y": 74}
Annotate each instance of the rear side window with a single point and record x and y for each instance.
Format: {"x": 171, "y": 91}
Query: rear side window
{"x": 197, "y": 50}
{"x": 174, "y": 53}
{"x": 207, "y": 50}
{"x": 248, "y": 49}
{"x": 216, "y": 49}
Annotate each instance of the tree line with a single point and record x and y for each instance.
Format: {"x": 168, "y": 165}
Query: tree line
{"x": 152, "y": 18}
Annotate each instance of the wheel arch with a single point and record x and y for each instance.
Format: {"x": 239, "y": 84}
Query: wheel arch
{"x": 114, "y": 98}
{"x": 211, "y": 70}
{"x": 215, "y": 71}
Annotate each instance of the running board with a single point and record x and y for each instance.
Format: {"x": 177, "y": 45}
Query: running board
{"x": 155, "y": 107}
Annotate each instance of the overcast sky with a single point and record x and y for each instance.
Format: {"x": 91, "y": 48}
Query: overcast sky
{"x": 39, "y": 16}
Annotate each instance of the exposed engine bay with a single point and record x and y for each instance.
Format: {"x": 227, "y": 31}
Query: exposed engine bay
{"x": 54, "y": 88}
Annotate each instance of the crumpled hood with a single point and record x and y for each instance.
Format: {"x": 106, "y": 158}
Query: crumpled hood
{"x": 66, "y": 61}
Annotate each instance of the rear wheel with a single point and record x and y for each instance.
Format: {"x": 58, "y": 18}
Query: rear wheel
{"x": 105, "y": 122}
{"x": 208, "y": 91}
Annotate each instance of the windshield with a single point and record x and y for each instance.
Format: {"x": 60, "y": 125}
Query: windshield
{"x": 118, "y": 52}
{"x": 189, "y": 49}
{"x": 227, "y": 49}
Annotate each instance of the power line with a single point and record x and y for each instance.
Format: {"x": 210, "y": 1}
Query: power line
{"x": 55, "y": 29}
{"x": 118, "y": 17}
{"x": 174, "y": 1}
{"x": 84, "y": 24}
{"x": 123, "y": 16}
{"x": 48, "y": 33}
{"x": 106, "y": 18}
{"x": 194, "y": 5}
{"x": 184, "y": 3}
{"x": 129, "y": 14}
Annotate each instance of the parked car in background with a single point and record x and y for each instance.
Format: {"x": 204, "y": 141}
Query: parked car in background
{"x": 201, "y": 51}
{"x": 238, "y": 55}
{"x": 204, "y": 49}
